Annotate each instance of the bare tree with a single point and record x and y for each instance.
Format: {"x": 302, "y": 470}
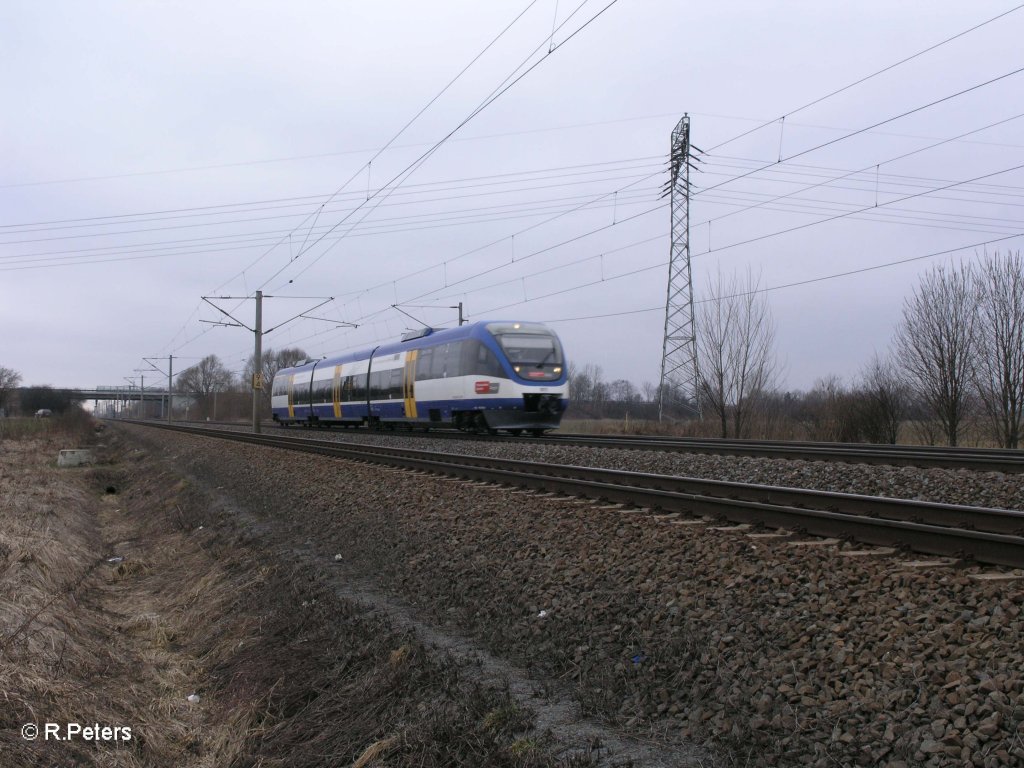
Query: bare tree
{"x": 822, "y": 411}
{"x": 581, "y": 383}
{"x": 9, "y": 381}
{"x": 623, "y": 391}
{"x": 936, "y": 343}
{"x": 272, "y": 362}
{"x": 735, "y": 350}
{"x": 1000, "y": 368}
{"x": 649, "y": 391}
{"x": 884, "y": 401}
{"x": 204, "y": 380}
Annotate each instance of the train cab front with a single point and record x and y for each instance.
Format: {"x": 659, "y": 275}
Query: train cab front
{"x": 535, "y": 356}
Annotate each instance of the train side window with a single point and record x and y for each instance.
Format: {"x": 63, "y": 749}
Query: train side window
{"x": 359, "y": 387}
{"x": 453, "y": 360}
{"x": 322, "y": 391}
{"x": 438, "y": 361}
{"x": 347, "y": 389}
{"x": 423, "y": 363}
{"x": 490, "y": 363}
{"x": 395, "y": 388}
{"x": 483, "y": 361}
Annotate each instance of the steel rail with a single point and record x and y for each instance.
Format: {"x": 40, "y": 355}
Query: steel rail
{"x": 978, "y": 533}
{"x": 1006, "y": 460}
{"x": 977, "y": 459}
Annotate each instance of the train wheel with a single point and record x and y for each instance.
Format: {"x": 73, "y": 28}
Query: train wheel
{"x": 537, "y": 432}
{"x": 516, "y": 432}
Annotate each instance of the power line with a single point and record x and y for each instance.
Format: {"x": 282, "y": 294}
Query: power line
{"x": 808, "y": 151}
{"x": 762, "y": 237}
{"x": 414, "y": 223}
{"x": 820, "y": 279}
{"x": 868, "y": 77}
{"x": 875, "y": 125}
{"x": 819, "y": 171}
{"x": 531, "y": 255}
{"x": 860, "y": 210}
{"x": 403, "y": 129}
{"x": 441, "y": 185}
{"x": 745, "y": 242}
{"x": 511, "y": 237}
{"x": 172, "y": 227}
{"x": 502, "y": 89}
{"x": 847, "y": 136}
{"x": 471, "y": 215}
{"x": 872, "y": 165}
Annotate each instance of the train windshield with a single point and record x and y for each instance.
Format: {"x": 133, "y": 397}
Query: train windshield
{"x": 535, "y": 352}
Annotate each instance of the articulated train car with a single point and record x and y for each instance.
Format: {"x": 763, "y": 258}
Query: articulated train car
{"x": 484, "y": 377}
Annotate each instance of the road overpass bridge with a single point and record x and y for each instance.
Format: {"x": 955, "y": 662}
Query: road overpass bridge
{"x": 123, "y": 392}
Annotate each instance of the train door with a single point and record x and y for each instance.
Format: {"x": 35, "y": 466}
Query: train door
{"x": 336, "y": 391}
{"x": 409, "y": 383}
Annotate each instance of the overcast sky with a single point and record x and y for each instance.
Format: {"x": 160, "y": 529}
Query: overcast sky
{"x": 154, "y": 153}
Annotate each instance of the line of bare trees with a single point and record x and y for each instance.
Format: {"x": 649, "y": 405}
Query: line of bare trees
{"x": 961, "y": 345}
{"x": 214, "y": 391}
{"x": 956, "y": 363}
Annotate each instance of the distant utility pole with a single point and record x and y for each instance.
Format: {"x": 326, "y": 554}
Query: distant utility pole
{"x": 679, "y": 372}
{"x": 259, "y": 333}
{"x": 142, "y": 391}
{"x": 170, "y": 382}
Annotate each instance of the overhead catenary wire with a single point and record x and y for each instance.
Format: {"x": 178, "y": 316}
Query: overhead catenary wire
{"x": 509, "y": 82}
{"x": 475, "y": 195}
{"x": 798, "y": 283}
{"x": 950, "y": 185}
{"x": 859, "y": 131}
{"x": 851, "y": 134}
{"x": 477, "y": 111}
{"x": 987, "y": 190}
{"x": 870, "y": 165}
{"x": 871, "y": 76}
{"x": 441, "y": 185}
{"x": 745, "y": 242}
{"x": 405, "y": 127}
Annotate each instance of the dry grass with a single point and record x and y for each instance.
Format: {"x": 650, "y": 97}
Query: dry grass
{"x": 287, "y": 674}
{"x": 83, "y": 640}
{"x": 75, "y": 424}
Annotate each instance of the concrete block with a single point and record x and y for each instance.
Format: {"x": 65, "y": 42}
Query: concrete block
{"x": 74, "y": 457}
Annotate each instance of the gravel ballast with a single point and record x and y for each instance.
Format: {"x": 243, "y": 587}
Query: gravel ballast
{"x": 766, "y": 652}
{"x": 949, "y": 486}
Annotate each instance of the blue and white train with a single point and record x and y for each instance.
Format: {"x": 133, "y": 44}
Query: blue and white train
{"x": 480, "y": 377}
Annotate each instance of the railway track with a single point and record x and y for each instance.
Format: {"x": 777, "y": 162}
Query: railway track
{"x": 976, "y": 459}
{"x": 976, "y": 533}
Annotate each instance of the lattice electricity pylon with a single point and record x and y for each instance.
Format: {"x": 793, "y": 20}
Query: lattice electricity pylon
{"x": 679, "y": 371}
